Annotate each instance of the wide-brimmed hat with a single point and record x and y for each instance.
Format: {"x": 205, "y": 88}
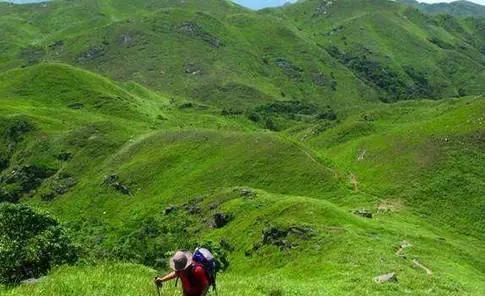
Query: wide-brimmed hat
{"x": 181, "y": 261}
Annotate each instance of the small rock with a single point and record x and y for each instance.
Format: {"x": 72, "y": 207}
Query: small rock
{"x": 276, "y": 237}
{"x": 302, "y": 232}
{"x": 221, "y": 220}
{"x": 193, "y": 209}
{"x": 389, "y": 277}
{"x": 32, "y": 281}
{"x": 126, "y": 39}
{"x": 363, "y": 213}
{"x": 113, "y": 181}
{"x": 92, "y": 53}
{"x": 192, "y": 69}
{"x": 63, "y": 183}
{"x": 169, "y": 210}
{"x": 289, "y": 69}
{"x": 246, "y": 192}
{"x": 194, "y": 30}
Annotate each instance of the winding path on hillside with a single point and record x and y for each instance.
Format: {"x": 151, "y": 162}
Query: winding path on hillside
{"x": 128, "y": 144}
{"x": 312, "y": 155}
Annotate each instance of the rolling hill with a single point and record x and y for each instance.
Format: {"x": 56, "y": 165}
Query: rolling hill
{"x": 313, "y": 147}
{"x": 131, "y": 183}
{"x": 456, "y": 8}
{"x": 217, "y": 49}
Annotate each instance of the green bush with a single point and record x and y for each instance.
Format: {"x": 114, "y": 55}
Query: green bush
{"x": 13, "y": 130}
{"x": 30, "y": 244}
{"x": 149, "y": 242}
{"x": 288, "y": 108}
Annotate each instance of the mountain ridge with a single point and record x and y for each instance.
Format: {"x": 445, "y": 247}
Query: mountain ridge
{"x": 252, "y": 67}
{"x": 460, "y": 8}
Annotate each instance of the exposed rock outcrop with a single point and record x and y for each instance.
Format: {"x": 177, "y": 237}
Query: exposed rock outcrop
{"x": 114, "y": 182}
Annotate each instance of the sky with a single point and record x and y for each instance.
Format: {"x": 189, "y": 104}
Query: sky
{"x": 258, "y": 4}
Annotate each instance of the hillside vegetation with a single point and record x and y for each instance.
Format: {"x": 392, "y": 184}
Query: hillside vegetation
{"x": 312, "y": 147}
{"x": 459, "y": 8}
{"x": 336, "y": 53}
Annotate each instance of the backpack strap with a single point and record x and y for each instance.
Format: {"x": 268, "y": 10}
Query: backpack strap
{"x": 210, "y": 276}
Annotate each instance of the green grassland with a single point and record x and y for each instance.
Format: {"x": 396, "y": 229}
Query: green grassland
{"x": 150, "y": 118}
{"x": 339, "y": 54}
{"x": 457, "y": 8}
{"x": 191, "y": 157}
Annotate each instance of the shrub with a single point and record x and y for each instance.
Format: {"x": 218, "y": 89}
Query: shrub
{"x": 148, "y": 243}
{"x": 13, "y": 130}
{"x": 327, "y": 114}
{"x": 269, "y": 124}
{"x": 254, "y": 116}
{"x": 30, "y": 244}
{"x": 22, "y": 180}
{"x": 288, "y": 108}
{"x": 4, "y": 163}
{"x": 372, "y": 72}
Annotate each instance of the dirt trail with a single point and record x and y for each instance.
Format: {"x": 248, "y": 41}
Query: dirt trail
{"x": 310, "y": 154}
{"x": 428, "y": 271}
{"x": 128, "y": 144}
{"x": 404, "y": 245}
{"x": 354, "y": 182}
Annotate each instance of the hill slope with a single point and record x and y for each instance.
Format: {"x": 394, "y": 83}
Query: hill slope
{"x": 225, "y": 55}
{"x": 399, "y": 51}
{"x": 151, "y": 126}
{"x": 457, "y": 8}
{"x": 142, "y": 177}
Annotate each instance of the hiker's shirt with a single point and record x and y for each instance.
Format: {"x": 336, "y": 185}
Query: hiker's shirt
{"x": 194, "y": 280}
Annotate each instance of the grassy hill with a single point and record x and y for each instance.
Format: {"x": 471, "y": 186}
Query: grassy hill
{"x": 364, "y": 50}
{"x": 150, "y": 126}
{"x": 138, "y": 178}
{"x": 399, "y": 51}
{"x": 409, "y": 151}
{"x": 456, "y": 8}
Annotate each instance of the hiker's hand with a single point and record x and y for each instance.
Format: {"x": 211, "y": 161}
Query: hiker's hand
{"x": 158, "y": 281}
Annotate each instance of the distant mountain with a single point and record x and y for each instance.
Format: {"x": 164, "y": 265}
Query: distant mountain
{"x": 24, "y": 1}
{"x": 458, "y": 8}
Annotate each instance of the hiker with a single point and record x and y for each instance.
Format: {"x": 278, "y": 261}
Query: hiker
{"x": 193, "y": 275}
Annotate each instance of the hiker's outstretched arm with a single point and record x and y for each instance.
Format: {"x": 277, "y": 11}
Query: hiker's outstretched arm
{"x": 167, "y": 277}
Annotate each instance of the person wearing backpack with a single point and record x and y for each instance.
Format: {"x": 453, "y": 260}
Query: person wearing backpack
{"x": 195, "y": 271}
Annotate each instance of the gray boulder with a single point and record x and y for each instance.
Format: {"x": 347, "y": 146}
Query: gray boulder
{"x": 385, "y": 278}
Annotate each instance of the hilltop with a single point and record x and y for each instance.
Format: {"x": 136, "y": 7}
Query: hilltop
{"x": 457, "y": 8}
{"x": 217, "y": 49}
